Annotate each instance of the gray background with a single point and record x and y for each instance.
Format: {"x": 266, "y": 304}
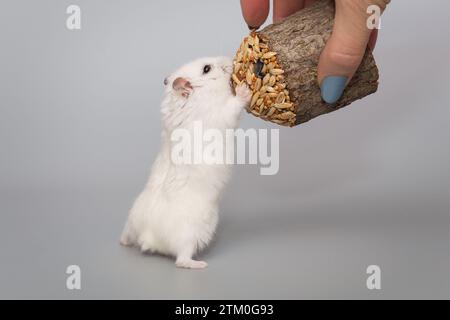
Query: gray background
{"x": 79, "y": 128}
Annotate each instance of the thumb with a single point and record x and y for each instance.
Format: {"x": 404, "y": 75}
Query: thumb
{"x": 345, "y": 49}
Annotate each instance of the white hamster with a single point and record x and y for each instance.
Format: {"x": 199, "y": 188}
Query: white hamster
{"x": 177, "y": 212}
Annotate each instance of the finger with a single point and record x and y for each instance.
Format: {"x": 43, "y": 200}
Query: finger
{"x": 284, "y": 8}
{"x": 255, "y": 12}
{"x": 309, "y": 2}
{"x": 373, "y": 39}
{"x": 346, "y": 47}
{"x": 344, "y": 50}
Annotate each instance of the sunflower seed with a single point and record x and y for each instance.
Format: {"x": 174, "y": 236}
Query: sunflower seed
{"x": 258, "y": 68}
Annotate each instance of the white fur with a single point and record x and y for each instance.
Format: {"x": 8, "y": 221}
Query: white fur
{"x": 177, "y": 212}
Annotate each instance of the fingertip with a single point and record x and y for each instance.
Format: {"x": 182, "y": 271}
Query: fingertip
{"x": 255, "y": 12}
{"x": 284, "y": 8}
{"x": 344, "y": 50}
{"x": 348, "y": 42}
{"x": 332, "y": 88}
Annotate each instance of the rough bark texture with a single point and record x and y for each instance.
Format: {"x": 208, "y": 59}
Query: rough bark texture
{"x": 299, "y": 41}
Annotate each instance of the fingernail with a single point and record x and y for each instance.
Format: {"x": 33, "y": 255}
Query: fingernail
{"x": 332, "y": 88}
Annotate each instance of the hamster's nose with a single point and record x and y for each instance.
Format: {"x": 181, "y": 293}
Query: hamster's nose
{"x": 166, "y": 81}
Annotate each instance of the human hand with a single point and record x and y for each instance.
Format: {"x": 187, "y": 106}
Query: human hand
{"x": 344, "y": 50}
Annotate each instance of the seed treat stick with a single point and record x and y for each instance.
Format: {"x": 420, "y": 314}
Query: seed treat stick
{"x": 279, "y": 63}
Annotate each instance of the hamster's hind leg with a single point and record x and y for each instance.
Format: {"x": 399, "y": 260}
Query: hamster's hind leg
{"x": 147, "y": 243}
{"x": 184, "y": 258}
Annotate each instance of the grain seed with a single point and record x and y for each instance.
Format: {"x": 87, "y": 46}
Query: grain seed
{"x": 280, "y": 98}
{"x": 257, "y": 84}
{"x": 254, "y": 99}
{"x": 235, "y": 79}
{"x": 271, "y": 111}
{"x": 283, "y": 105}
{"x": 269, "y": 55}
{"x": 272, "y": 80}
{"x": 276, "y": 71}
{"x": 248, "y": 76}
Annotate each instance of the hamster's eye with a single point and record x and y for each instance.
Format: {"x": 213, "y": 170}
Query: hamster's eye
{"x": 206, "y": 69}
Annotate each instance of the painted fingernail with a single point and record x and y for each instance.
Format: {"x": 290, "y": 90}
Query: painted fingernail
{"x": 332, "y": 88}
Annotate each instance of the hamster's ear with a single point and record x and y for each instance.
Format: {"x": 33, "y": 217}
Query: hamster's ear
{"x": 182, "y": 86}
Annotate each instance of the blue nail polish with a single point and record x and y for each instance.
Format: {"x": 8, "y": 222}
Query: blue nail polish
{"x": 332, "y": 88}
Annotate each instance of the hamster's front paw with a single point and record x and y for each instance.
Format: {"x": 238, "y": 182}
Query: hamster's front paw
{"x": 244, "y": 93}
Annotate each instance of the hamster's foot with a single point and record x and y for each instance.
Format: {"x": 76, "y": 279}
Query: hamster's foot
{"x": 124, "y": 241}
{"x": 127, "y": 236}
{"x": 190, "y": 264}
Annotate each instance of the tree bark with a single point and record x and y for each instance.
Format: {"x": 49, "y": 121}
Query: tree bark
{"x": 298, "y": 42}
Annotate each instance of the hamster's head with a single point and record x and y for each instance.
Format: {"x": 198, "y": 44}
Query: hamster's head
{"x": 206, "y": 76}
